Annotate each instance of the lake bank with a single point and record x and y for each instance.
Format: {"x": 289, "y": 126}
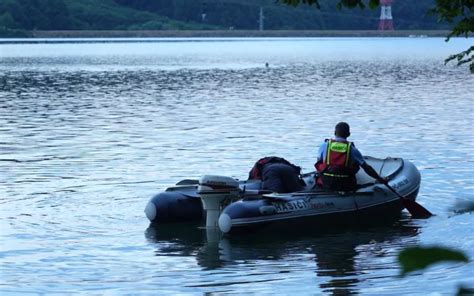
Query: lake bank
{"x": 233, "y": 33}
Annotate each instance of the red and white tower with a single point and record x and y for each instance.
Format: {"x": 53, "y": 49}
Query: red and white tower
{"x": 386, "y": 21}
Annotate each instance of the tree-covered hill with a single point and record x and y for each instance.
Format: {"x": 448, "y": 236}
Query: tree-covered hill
{"x": 83, "y": 15}
{"x": 17, "y": 15}
{"x": 244, "y": 14}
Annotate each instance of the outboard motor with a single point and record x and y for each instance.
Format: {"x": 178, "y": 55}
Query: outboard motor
{"x": 214, "y": 192}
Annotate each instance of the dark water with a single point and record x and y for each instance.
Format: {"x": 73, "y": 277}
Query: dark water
{"x": 89, "y": 132}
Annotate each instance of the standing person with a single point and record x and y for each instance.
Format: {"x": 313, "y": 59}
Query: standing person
{"x": 339, "y": 161}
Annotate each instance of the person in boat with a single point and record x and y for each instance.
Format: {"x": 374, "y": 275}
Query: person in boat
{"x": 338, "y": 162}
{"x": 277, "y": 175}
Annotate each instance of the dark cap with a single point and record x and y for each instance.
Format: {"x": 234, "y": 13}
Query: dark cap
{"x": 342, "y": 130}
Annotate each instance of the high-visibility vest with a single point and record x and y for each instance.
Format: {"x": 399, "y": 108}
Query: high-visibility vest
{"x": 337, "y": 162}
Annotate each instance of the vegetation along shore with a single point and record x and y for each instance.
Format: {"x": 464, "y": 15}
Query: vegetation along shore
{"x": 228, "y": 33}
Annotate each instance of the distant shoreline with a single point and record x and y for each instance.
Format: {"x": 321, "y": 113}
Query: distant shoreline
{"x": 233, "y": 33}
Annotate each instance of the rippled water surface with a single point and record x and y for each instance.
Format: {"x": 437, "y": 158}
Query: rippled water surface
{"x": 90, "y": 131}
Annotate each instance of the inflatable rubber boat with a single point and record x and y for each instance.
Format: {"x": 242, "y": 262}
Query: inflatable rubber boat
{"x": 241, "y": 206}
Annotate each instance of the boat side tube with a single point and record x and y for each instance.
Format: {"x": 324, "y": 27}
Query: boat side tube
{"x": 407, "y": 181}
{"x": 174, "y": 206}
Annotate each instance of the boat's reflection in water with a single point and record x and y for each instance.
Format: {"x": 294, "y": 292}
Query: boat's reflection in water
{"x": 342, "y": 256}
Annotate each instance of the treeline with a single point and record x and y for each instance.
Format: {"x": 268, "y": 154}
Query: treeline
{"x": 245, "y": 14}
{"x": 19, "y": 15}
{"x": 29, "y": 14}
{"x": 25, "y": 15}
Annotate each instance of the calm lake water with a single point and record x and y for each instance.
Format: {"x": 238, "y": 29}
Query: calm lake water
{"x": 90, "y": 131}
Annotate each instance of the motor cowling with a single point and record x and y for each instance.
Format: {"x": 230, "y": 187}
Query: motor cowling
{"x": 211, "y": 184}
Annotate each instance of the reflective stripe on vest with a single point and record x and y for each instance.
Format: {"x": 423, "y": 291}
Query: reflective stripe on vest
{"x": 336, "y": 176}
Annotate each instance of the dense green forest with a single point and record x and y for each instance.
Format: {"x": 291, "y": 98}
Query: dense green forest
{"x": 23, "y": 15}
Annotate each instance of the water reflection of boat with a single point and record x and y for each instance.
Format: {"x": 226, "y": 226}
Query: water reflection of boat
{"x": 341, "y": 258}
{"x": 188, "y": 239}
{"x": 246, "y": 208}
